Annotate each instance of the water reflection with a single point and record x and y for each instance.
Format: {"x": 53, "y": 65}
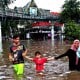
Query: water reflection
{"x": 55, "y": 70}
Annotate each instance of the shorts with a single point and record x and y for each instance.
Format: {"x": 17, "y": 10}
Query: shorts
{"x": 19, "y": 68}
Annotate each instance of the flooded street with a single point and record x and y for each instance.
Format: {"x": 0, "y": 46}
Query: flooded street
{"x": 54, "y": 70}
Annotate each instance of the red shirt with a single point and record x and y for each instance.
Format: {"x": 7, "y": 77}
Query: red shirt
{"x": 39, "y": 63}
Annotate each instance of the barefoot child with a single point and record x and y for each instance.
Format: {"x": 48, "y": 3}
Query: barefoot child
{"x": 39, "y": 61}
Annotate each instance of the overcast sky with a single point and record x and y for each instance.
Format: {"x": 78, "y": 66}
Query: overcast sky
{"x": 53, "y": 5}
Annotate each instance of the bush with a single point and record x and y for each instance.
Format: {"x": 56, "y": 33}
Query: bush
{"x": 72, "y": 30}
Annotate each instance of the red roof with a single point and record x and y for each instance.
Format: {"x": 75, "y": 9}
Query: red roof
{"x": 55, "y": 13}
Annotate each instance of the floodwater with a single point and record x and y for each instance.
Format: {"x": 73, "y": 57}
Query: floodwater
{"x": 54, "y": 70}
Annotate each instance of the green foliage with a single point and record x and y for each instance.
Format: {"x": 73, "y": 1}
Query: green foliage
{"x": 70, "y": 11}
{"x": 4, "y": 3}
{"x": 72, "y": 30}
{"x": 6, "y": 24}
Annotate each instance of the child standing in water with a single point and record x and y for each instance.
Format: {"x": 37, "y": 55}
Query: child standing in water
{"x": 39, "y": 61}
{"x": 17, "y": 50}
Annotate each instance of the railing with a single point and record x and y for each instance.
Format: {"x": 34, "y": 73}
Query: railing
{"x": 11, "y": 13}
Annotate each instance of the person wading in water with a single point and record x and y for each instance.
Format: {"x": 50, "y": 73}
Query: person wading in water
{"x": 72, "y": 56}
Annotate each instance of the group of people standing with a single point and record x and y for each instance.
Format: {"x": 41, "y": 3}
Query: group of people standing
{"x": 18, "y": 52}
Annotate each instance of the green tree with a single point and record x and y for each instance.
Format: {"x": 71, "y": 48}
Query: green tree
{"x": 4, "y": 3}
{"x": 5, "y": 23}
{"x": 70, "y": 10}
{"x": 72, "y": 30}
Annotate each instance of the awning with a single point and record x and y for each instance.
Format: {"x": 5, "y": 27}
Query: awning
{"x": 58, "y": 24}
{"x": 41, "y": 23}
{"x": 46, "y": 24}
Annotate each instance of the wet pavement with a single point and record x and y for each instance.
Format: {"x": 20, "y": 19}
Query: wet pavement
{"x": 54, "y": 70}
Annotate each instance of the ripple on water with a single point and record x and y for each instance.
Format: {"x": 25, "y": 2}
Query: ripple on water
{"x": 54, "y": 70}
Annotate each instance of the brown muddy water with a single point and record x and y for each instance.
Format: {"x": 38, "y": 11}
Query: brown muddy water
{"x": 54, "y": 70}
